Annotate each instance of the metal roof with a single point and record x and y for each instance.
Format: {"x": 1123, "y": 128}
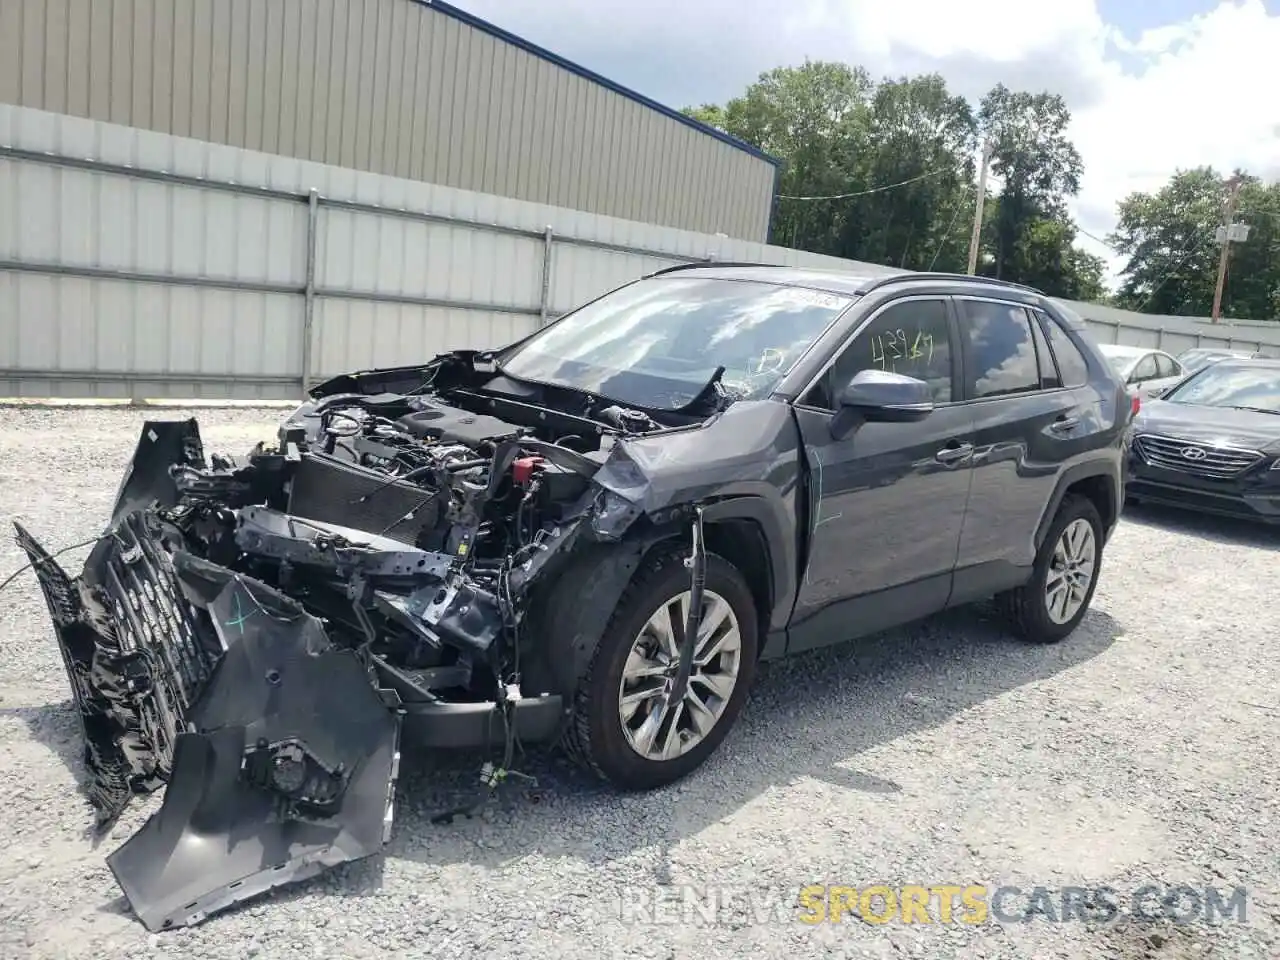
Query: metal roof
{"x": 545, "y": 54}
{"x": 849, "y": 282}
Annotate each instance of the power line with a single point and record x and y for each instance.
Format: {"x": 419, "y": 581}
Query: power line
{"x": 947, "y": 236}
{"x": 1095, "y": 239}
{"x": 864, "y": 193}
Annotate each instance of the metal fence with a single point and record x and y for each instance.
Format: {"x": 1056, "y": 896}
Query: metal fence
{"x": 141, "y": 264}
{"x": 1175, "y": 334}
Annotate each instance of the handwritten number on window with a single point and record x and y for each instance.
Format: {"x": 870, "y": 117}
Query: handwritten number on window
{"x": 888, "y": 348}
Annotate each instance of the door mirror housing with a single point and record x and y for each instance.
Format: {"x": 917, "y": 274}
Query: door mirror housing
{"x": 877, "y": 396}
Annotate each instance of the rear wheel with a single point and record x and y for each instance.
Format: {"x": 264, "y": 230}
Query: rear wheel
{"x": 625, "y": 726}
{"x": 1056, "y": 598}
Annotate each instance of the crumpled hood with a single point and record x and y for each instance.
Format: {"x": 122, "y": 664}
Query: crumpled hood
{"x": 1215, "y": 425}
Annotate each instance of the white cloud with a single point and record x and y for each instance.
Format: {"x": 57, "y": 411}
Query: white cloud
{"x": 1183, "y": 94}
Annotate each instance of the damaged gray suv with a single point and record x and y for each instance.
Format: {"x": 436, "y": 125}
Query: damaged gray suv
{"x": 590, "y": 537}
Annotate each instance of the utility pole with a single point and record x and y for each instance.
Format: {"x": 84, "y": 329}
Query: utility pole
{"x": 987, "y": 149}
{"x": 1226, "y": 234}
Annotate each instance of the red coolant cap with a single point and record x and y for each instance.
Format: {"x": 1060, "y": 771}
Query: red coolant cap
{"x": 522, "y": 469}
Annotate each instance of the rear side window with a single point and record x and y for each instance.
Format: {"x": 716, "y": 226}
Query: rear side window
{"x": 1145, "y": 370}
{"x": 1001, "y": 351}
{"x": 1165, "y": 366}
{"x": 1071, "y": 363}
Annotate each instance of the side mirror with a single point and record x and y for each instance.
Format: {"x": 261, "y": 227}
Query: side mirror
{"x": 877, "y": 396}
{"x": 1154, "y": 392}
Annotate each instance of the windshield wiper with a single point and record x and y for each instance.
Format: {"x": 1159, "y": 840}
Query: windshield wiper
{"x": 1257, "y": 410}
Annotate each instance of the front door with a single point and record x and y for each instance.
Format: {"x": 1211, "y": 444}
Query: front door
{"x": 888, "y": 500}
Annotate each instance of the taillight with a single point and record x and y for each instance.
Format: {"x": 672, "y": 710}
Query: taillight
{"x": 1135, "y": 404}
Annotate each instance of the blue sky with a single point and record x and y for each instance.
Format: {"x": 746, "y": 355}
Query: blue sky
{"x": 1139, "y": 75}
{"x": 1132, "y": 16}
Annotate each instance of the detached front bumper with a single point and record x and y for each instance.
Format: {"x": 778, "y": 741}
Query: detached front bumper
{"x": 279, "y": 754}
{"x": 279, "y": 749}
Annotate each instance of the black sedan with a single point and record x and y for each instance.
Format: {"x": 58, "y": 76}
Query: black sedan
{"x": 1212, "y": 443}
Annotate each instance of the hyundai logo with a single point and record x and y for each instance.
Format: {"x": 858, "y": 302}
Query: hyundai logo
{"x": 1193, "y": 453}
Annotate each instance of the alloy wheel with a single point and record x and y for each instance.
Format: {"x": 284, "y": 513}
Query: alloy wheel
{"x": 1071, "y": 570}
{"x": 654, "y": 727}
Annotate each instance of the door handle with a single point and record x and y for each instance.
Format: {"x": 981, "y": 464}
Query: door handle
{"x": 952, "y": 454}
{"x": 1064, "y": 424}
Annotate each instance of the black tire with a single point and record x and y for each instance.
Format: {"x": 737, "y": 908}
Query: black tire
{"x": 1026, "y": 607}
{"x": 594, "y": 736}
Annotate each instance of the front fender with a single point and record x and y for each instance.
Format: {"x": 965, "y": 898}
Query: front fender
{"x": 776, "y": 521}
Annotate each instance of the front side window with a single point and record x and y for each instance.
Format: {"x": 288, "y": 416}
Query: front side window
{"x": 1002, "y": 352}
{"x": 657, "y": 342}
{"x": 912, "y": 338}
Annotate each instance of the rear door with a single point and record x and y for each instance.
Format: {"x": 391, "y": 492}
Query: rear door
{"x": 1029, "y": 418}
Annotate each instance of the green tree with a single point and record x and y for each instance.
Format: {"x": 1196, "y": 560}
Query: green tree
{"x": 885, "y": 172}
{"x": 1169, "y": 239}
{"x": 811, "y": 117}
{"x": 1252, "y": 290}
{"x": 1039, "y": 168}
{"x": 921, "y": 136}
{"x": 708, "y": 113}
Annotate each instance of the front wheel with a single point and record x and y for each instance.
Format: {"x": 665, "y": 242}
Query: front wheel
{"x": 625, "y": 726}
{"x": 1054, "y": 601}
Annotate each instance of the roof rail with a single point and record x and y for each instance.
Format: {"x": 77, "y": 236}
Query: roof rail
{"x": 879, "y": 282}
{"x": 709, "y": 262}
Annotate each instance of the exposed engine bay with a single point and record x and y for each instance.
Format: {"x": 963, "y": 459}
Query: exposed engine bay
{"x": 257, "y": 633}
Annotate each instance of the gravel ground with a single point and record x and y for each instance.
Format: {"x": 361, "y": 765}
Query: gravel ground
{"x": 1139, "y": 751}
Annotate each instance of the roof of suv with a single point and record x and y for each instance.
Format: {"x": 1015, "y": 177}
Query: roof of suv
{"x": 843, "y": 282}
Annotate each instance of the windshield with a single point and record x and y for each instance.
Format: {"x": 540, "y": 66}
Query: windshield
{"x": 1227, "y": 384}
{"x": 656, "y": 343}
{"x": 1199, "y": 359}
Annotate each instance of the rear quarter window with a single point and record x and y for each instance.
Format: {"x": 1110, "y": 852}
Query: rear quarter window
{"x": 1072, "y": 365}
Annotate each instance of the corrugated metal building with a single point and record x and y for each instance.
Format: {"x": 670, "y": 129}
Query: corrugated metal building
{"x": 407, "y": 88}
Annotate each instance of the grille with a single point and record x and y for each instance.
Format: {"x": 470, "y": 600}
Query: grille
{"x": 1194, "y": 457}
{"x": 136, "y": 654}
